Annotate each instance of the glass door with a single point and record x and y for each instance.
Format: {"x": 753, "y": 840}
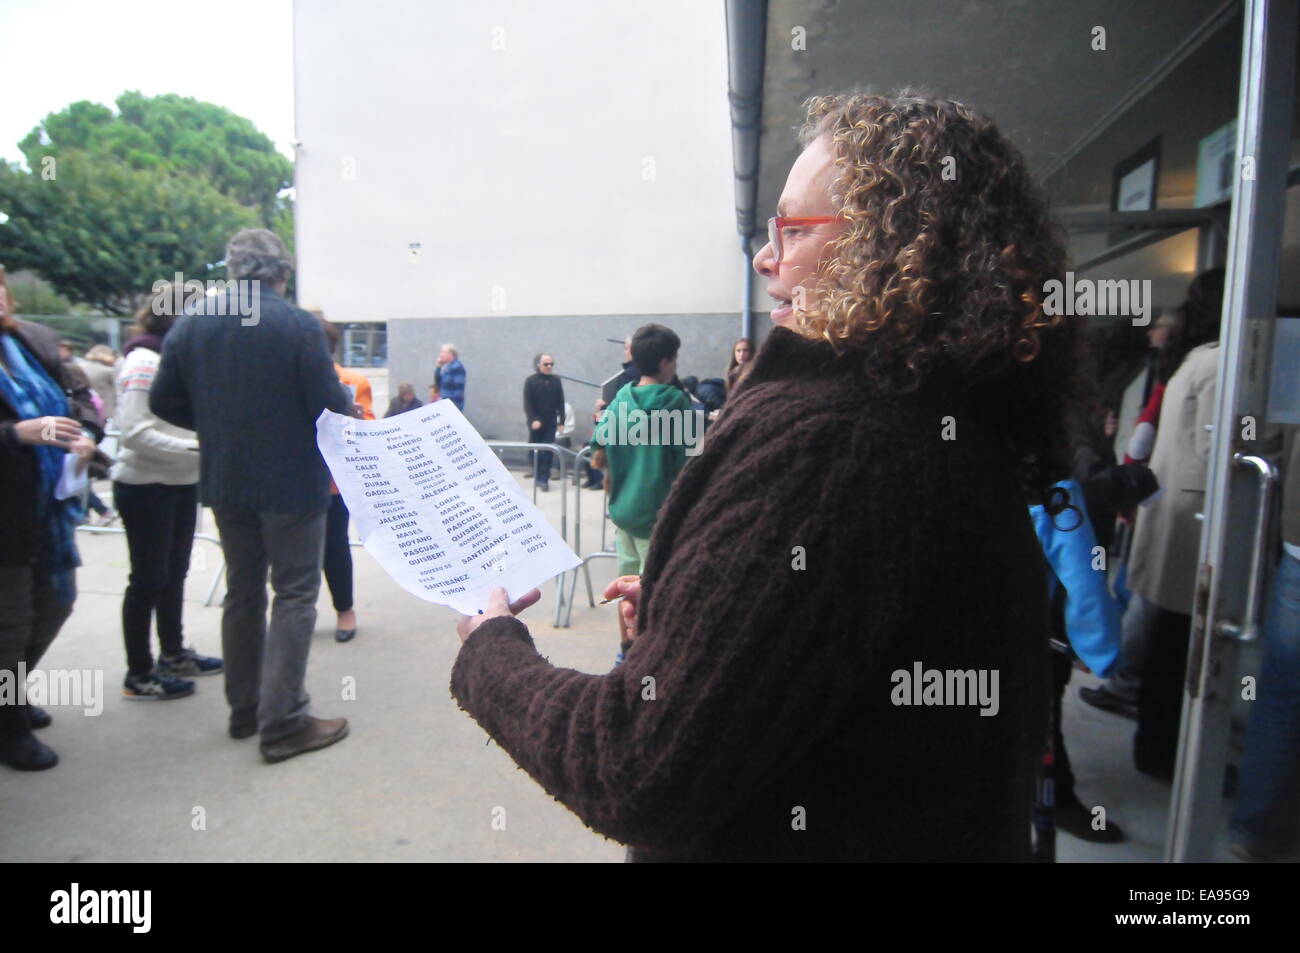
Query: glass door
{"x": 1237, "y": 547}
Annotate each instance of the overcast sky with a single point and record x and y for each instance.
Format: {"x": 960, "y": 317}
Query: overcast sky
{"x": 235, "y": 53}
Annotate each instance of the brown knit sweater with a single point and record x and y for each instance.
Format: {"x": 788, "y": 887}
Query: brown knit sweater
{"x": 772, "y": 733}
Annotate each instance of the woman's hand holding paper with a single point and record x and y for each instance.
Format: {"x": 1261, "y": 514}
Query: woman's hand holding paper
{"x": 498, "y": 605}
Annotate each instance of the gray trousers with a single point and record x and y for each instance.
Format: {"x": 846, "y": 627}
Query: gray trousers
{"x": 266, "y": 667}
{"x": 1138, "y": 620}
{"x": 30, "y": 617}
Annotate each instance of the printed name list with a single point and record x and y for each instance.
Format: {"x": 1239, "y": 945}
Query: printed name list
{"x": 437, "y": 508}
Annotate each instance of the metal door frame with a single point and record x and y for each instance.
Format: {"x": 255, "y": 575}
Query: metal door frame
{"x": 1236, "y": 486}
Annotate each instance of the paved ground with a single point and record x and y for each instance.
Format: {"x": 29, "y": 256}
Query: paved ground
{"x": 414, "y": 781}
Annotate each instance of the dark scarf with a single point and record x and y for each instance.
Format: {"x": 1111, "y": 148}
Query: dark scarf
{"x": 152, "y": 341}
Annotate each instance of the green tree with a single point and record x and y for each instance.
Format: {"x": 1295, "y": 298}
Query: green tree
{"x": 35, "y": 296}
{"x": 113, "y": 202}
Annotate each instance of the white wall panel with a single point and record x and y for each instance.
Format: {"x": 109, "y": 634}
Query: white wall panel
{"x": 509, "y": 139}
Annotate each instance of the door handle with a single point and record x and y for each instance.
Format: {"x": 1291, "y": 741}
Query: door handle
{"x": 1248, "y": 628}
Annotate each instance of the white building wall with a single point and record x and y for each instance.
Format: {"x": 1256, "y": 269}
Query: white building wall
{"x": 548, "y": 158}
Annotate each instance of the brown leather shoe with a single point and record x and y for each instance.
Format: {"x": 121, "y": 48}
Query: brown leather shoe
{"x": 318, "y": 733}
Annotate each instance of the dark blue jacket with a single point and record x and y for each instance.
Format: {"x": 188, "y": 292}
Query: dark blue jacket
{"x": 451, "y": 382}
{"x": 252, "y": 390}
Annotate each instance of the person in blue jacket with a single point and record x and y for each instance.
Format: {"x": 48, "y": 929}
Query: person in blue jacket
{"x": 1087, "y": 615}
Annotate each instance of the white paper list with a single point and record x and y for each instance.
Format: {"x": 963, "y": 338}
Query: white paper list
{"x": 437, "y": 508}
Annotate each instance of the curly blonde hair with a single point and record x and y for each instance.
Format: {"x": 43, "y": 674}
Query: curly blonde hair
{"x": 938, "y": 278}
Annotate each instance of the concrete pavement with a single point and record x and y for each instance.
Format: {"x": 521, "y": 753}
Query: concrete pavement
{"x": 415, "y": 781}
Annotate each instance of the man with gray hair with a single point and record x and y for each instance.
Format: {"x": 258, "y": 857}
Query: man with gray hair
{"x": 252, "y": 390}
{"x": 449, "y": 376}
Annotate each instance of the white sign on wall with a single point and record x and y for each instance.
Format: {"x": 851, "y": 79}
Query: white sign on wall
{"x": 1216, "y": 165}
{"x": 1137, "y": 189}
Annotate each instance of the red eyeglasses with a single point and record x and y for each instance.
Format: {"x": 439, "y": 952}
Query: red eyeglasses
{"x": 776, "y": 225}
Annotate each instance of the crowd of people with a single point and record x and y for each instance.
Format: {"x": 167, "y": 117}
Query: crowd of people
{"x": 448, "y": 381}
{"x": 914, "y": 470}
{"x": 192, "y": 405}
{"x": 266, "y": 502}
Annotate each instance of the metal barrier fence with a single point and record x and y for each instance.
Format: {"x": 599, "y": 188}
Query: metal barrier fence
{"x": 562, "y": 609}
{"x": 602, "y": 553}
{"x": 110, "y": 444}
{"x": 571, "y": 468}
{"x": 570, "y": 465}
{"x": 198, "y": 534}
{"x": 112, "y": 438}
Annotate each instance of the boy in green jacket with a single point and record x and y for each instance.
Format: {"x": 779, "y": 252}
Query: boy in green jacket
{"x": 647, "y": 432}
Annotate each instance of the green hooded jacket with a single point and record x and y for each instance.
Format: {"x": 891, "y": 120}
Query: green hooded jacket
{"x": 646, "y": 450}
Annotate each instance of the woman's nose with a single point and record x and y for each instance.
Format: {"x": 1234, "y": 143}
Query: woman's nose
{"x": 763, "y": 261}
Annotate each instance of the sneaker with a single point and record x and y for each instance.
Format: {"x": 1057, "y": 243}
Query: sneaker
{"x": 156, "y": 686}
{"x": 188, "y": 663}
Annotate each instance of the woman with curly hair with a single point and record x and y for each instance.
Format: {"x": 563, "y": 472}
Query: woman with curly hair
{"x": 841, "y": 629}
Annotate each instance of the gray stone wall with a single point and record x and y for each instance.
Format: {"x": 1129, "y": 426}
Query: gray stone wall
{"x": 498, "y": 354}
